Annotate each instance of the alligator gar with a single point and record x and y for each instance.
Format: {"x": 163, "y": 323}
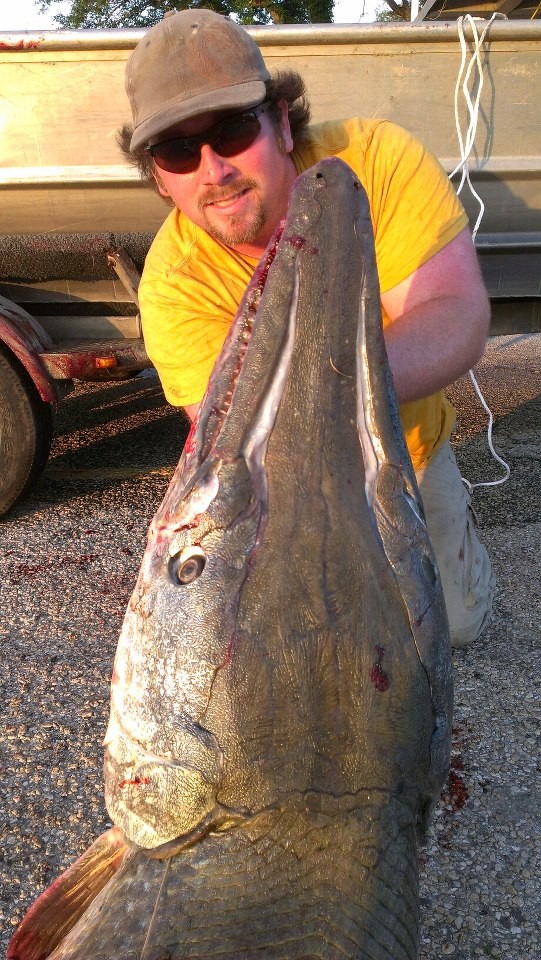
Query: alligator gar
{"x": 281, "y": 697}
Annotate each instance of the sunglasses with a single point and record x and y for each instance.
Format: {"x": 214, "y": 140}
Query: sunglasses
{"x": 229, "y": 137}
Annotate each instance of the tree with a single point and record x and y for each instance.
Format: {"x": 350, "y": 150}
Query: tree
{"x": 104, "y": 14}
{"x": 392, "y": 10}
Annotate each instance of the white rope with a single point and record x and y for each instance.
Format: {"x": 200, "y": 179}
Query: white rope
{"x": 507, "y": 468}
{"x": 466, "y": 146}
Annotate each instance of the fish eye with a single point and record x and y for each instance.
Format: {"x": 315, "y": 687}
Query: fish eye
{"x": 188, "y": 565}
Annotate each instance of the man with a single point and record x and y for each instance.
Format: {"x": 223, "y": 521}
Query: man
{"x": 224, "y": 142}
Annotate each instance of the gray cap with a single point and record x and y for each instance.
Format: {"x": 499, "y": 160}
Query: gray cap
{"x": 191, "y": 62}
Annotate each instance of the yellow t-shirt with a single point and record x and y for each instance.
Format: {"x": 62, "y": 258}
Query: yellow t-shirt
{"x": 192, "y": 284}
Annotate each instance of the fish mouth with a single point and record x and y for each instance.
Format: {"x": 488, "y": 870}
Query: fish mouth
{"x": 221, "y": 388}
{"x": 227, "y": 430}
{"x": 248, "y": 381}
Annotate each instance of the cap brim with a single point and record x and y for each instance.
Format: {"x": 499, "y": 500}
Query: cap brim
{"x": 240, "y": 97}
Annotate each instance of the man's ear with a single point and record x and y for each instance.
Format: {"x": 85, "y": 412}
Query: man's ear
{"x": 162, "y": 189}
{"x": 285, "y": 128}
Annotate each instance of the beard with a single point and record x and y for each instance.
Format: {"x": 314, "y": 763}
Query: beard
{"x": 237, "y": 229}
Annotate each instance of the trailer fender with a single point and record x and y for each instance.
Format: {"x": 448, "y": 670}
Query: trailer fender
{"x": 26, "y": 339}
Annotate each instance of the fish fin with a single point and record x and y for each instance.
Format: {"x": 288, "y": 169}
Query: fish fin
{"x": 61, "y": 905}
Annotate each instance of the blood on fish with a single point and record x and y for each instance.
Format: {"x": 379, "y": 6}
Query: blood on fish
{"x": 228, "y": 653}
{"x": 296, "y": 241}
{"x": 377, "y": 674}
{"x": 136, "y": 782}
{"x": 189, "y": 444}
{"x": 221, "y": 409}
{"x": 271, "y": 253}
{"x": 192, "y": 524}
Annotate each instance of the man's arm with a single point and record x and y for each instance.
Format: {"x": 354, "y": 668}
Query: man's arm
{"x": 191, "y": 411}
{"x": 440, "y": 316}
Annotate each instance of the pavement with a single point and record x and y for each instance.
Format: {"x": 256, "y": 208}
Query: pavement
{"x": 69, "y": 559}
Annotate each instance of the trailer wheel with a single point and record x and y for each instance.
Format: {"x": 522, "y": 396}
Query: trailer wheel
{"x": 25, "y": 431}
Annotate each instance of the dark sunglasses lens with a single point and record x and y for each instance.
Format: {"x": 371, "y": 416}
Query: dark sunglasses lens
{"x": 175, "y": 157}
{"x": 227, "y": 139}
{"x": 236, "y": 136}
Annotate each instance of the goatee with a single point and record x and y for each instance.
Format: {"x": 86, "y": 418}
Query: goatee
{"x": 236, "y": 230}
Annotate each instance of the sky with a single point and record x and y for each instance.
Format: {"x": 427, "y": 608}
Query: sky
{"x": 25, "y": 15}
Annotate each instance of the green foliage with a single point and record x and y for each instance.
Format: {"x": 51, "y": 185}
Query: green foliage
{"x": 104, "y": 14}
{"x": 392, "y": 11}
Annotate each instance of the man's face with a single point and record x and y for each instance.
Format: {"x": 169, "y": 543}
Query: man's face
{"x": 238, "y": 200}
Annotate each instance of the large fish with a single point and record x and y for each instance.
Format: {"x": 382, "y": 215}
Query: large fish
{"x": 281, "y": 697}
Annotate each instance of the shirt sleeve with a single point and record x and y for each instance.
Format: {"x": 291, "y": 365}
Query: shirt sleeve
{"x": 415, "y": 210}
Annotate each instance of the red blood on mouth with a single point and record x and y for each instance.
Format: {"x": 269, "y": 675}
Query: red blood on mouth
{"x": 135, "y": 782}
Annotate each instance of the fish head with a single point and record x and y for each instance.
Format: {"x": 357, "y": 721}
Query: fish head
{"x": 288, "y": 602}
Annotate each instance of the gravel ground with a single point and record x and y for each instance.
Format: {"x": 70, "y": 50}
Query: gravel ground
{"x": 69, "y": 559}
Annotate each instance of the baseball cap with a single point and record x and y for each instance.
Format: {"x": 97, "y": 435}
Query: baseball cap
{"x": 191, "y": 62}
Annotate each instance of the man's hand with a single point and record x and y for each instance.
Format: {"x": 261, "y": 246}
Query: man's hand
{"x": 440, "y": 317}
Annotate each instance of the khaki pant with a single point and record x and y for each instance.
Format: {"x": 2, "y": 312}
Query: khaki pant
{"x": 466, "y": 574}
